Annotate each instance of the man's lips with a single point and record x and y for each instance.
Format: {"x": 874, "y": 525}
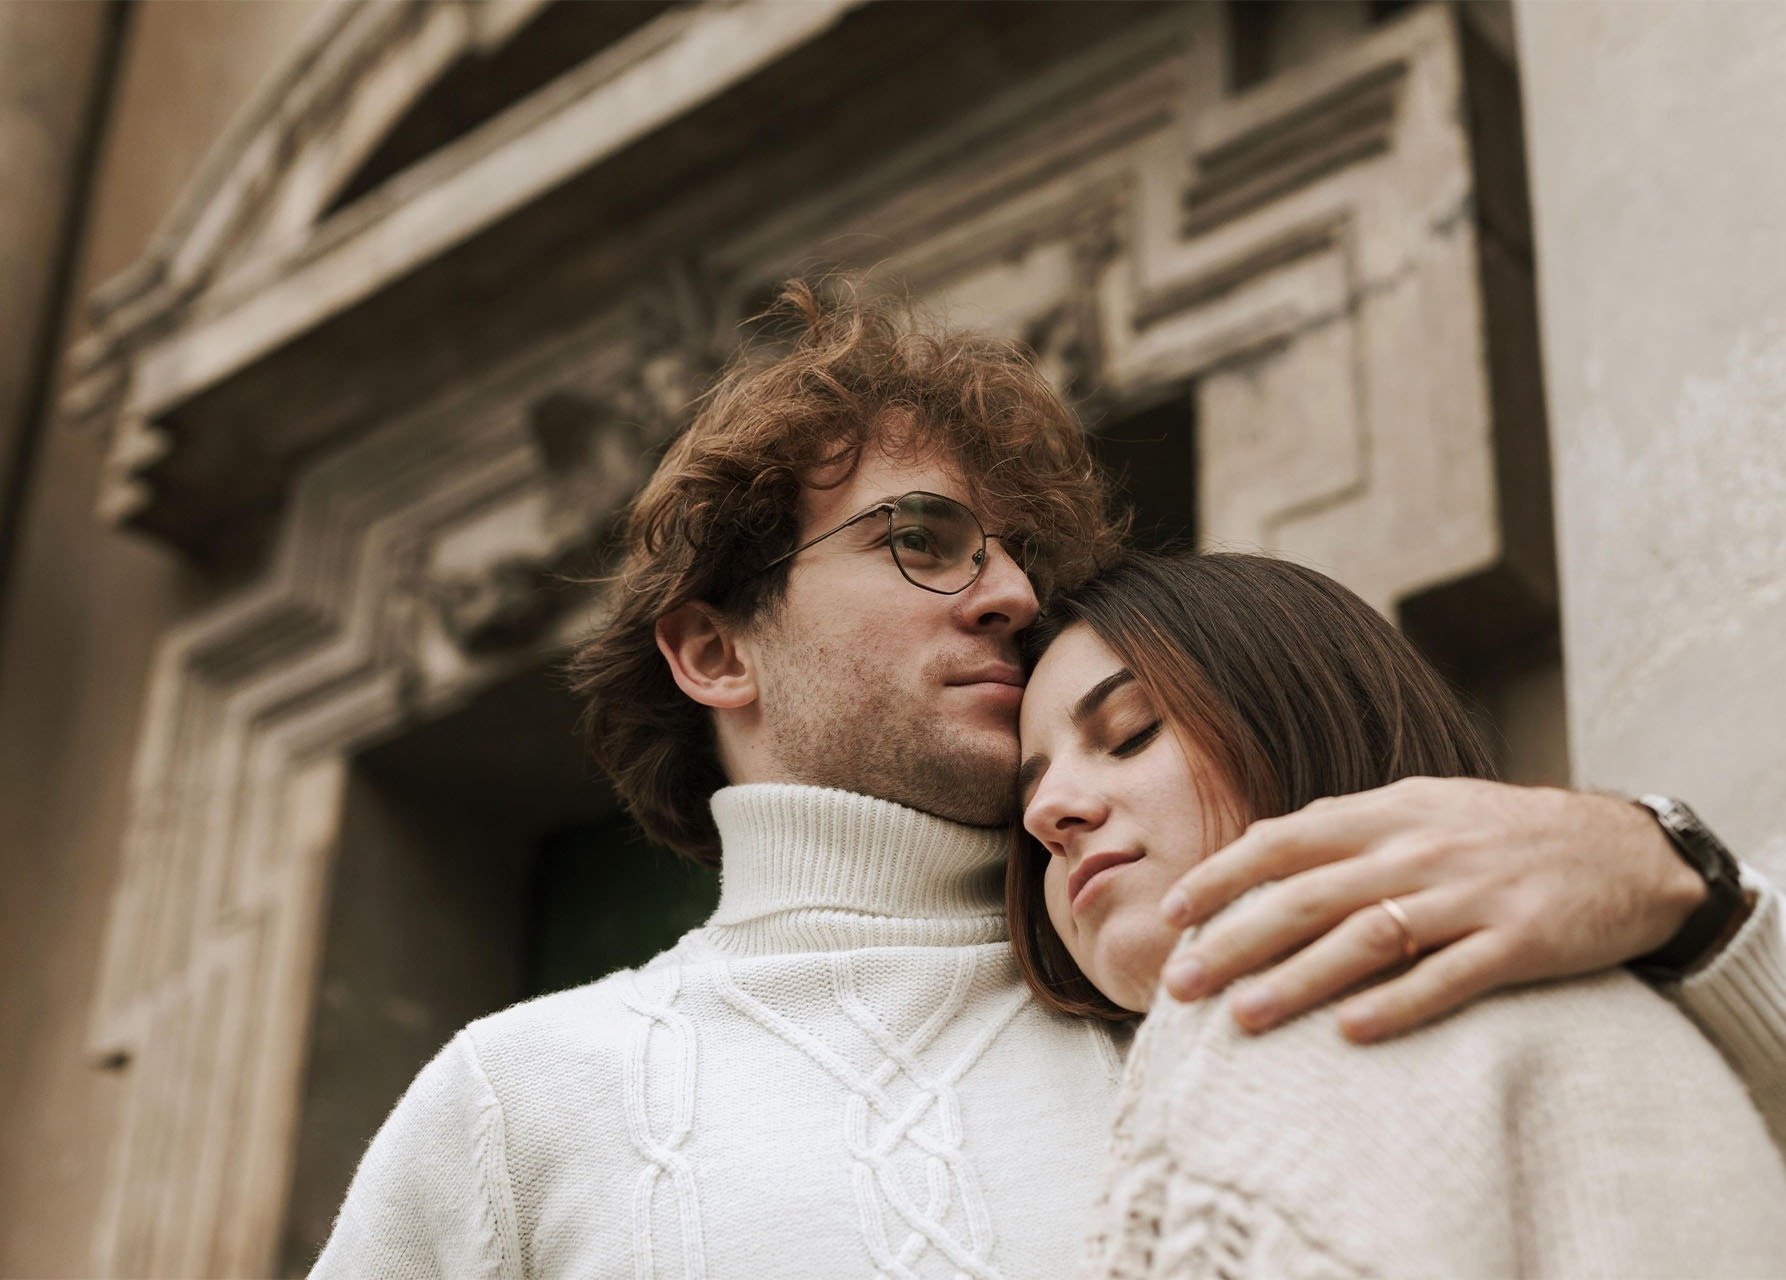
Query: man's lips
{"x": 992, "y": 673}
{"x": 1089, "y": 866}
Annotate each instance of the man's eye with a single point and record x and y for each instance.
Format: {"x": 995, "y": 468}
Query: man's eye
{"x": 915, "y": 539}
{"x": 1130, "y": 745}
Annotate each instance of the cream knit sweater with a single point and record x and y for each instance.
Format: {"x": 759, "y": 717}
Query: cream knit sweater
{"x": 1577, "y": 1129}
{"x": 840, "y": 1074}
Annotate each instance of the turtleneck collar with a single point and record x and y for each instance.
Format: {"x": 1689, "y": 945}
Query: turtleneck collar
{"x": 810, "y": 868}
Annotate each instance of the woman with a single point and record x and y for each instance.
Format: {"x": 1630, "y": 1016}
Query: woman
{"x": 1583, "y": 1128}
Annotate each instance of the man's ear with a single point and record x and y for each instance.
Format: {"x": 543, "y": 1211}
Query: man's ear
{"x": 705, "y": 658}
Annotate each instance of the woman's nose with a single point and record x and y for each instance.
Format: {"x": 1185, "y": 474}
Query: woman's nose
{"x": 1061, "y": 808}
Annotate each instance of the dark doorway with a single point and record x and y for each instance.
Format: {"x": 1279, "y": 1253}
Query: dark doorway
{"x": 604, "y": 898}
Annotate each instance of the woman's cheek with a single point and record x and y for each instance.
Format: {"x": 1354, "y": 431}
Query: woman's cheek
{"x": 1054, "y": 897}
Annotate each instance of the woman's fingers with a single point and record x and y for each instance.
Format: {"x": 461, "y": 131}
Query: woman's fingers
{"x": 1285, "y": 917}
{"x": 1273, "y": 849}
{"x": 1369, "y": 943}
{"x": 1446, "y": 980}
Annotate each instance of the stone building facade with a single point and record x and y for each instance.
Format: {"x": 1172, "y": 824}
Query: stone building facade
{"x": 341, "y": 332}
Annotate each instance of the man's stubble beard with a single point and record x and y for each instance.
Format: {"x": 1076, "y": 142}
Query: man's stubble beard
{"x": 830, "y": 724}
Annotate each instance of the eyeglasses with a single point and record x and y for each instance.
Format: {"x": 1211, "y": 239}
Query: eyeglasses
{"x": 937, "y": 543}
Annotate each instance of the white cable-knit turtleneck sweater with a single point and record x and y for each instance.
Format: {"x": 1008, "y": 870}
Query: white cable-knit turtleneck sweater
{"x": 840, "y": 1074}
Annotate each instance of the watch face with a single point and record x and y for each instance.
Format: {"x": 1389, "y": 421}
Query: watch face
{"x": 1693, "y": 840}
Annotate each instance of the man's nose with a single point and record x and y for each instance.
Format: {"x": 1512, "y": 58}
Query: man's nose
{"x": 1002, "y": 597}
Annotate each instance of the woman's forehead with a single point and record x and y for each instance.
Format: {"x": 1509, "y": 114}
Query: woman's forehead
{"x": 1075, "y": 664}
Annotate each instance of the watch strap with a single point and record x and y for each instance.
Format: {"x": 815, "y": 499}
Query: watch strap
{"x": 1724, "y": 898}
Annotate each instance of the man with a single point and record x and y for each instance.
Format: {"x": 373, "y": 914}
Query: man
{"x": 805, "y": 685}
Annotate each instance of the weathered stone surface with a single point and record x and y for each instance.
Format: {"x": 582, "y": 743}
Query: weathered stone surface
{"x": 84, "y": 610}
{"x": 50, "y": 58}
{"x": 1657, "y": 191}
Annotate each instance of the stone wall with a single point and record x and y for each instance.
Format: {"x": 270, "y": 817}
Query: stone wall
{"x": 83, "y": 609}
{"x": 53, "y": 72}
{"x": 1655, "y": 137}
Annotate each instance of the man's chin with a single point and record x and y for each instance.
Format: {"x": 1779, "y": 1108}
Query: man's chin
{"x": 965, "y": 774}
{"x": 977, "y": 785}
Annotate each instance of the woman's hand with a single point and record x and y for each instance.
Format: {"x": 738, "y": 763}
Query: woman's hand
{"x": 1500, "y": 885}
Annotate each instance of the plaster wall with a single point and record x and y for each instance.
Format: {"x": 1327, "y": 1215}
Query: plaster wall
{"x": 51, "y": 58}
{"x": 1654, "y": 132}
{"x": 83, "y": 609}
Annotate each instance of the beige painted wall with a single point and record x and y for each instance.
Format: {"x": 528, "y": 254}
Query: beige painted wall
{"x": 1655, "y": 134}
{"x": 85, "y": 607}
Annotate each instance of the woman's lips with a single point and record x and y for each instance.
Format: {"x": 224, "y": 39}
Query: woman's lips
{"x": 1091, "y": 869}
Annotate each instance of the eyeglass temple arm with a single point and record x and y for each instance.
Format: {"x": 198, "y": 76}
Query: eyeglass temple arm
{"x": 876, "y": 509}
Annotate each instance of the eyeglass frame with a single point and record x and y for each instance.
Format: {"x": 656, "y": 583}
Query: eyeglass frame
{"x": 890, "y": 506}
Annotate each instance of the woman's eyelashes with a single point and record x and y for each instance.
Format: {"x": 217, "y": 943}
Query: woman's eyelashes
{"x": 1136, "y": 741}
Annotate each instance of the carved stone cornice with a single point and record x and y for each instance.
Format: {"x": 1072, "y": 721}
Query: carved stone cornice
{"x": 1253, "y": 151}
{"x": 252, "y": 264}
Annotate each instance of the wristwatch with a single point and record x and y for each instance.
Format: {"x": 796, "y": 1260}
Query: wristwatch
{"x": 1724, "y": 897}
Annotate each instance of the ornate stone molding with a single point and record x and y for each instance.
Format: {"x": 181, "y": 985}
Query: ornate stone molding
{"x": 1268, "y": 151}
{"x": 249, "y": 265}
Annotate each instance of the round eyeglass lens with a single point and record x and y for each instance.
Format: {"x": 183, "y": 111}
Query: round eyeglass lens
{"x": 936, "y": 541}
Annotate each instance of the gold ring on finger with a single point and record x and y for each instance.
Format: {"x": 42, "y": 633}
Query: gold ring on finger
{"x": 1410, "y": 948}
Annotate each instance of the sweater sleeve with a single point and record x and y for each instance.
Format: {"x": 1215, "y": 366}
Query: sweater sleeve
{"x": 432, "y": 1197}
{"x": 1739, "y": 1001}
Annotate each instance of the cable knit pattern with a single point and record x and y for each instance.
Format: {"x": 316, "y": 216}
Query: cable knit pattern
{"x": 1579, "y": 1129}
{"x": 840, "y": 1074}
{"x": 663, "y": 1155}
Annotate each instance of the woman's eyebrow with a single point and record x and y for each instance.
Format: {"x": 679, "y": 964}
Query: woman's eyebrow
{"x": 1094, "y": 697}
{"x": 1037, "y": 764}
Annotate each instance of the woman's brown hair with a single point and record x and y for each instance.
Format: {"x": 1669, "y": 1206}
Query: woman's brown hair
{"x": 841, "y": 372}
{"x": 1290, "y": 684}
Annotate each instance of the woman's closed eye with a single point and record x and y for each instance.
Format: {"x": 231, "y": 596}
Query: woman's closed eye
{"x": 1136, "y": 741}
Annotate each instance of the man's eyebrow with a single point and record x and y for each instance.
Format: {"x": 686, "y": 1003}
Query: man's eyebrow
{"x": 1094, "y": 697}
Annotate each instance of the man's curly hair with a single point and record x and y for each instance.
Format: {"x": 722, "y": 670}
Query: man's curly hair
{"x": 725, "y": 502}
